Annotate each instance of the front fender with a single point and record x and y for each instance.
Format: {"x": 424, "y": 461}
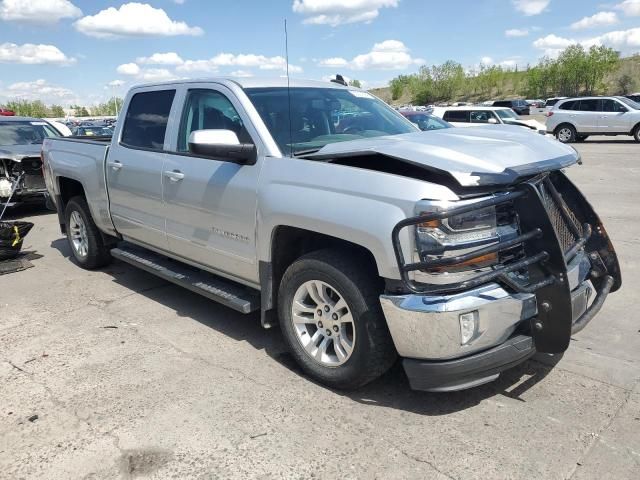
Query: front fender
{"x": 353, "y": 204}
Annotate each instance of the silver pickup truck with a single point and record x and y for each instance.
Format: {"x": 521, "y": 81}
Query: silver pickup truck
{"x": 463, "y": 251}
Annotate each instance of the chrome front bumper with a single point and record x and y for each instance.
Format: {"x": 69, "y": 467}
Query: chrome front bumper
{"x": 428, "y": 327}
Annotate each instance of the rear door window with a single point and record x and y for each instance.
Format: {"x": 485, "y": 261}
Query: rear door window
{"x": 461, "y": 116}
{"x": 589, "y": 105}
{"x": 146, "y": 121}
{"x": 570, "y": 105}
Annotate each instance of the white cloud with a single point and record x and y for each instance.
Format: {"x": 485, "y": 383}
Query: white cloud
{"x": 169, "y": 58}
{"x": 553, "y": 44}
{"x": 39, "y": 90}
{"x": 116, "y": 83}
{"x": 597, "y": 20}
{"x": 32, "y": 54}
{"x": 242, "y": 74}
{"x": 630, "y": 7}
{"x": 179, "y": 2}
{"x": 133, "y": 19}
{"x": 516, "y": 32}
{"x": 553, "y": 41}
{"x": 155, "y": 75}
{"x": 336, "y": 12}
{"x": 334, "y": 62}
{"x": 531, "y": 7}
{"x": 626, "y": 41}
{"x": 241, "y": 60}
{"x": 37, "y": 11}
{"x": 387, "y": 55}
{"x": 486, "y": 61}
{"x": 128, "y": 69}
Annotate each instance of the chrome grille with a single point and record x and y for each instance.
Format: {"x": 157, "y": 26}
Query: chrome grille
{"x": 566, "y": 237}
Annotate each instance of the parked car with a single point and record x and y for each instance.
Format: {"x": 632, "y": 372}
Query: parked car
{"x": 574, "y": 119}
{"x": 425, "y": 121}
{"x": 92, "y": 131}
{"x": 64, "y": 130}
{"x": 519, "y": 106}
{"x": 20, "y": 164}
{"x": 6, "y": 113}
{"x": 550, "y": 102}
{"x": 464, "y": 251}
{"x": 479, "y": 115}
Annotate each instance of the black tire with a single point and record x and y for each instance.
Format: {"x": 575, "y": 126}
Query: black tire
{"x": 566, "y": 133}
{"x": 98, "y": 254}
{"x": 373, "y": 350}
{"x": 636, "y": 133}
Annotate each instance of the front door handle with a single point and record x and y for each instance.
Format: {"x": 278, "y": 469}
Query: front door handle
{"x": 174, "y": 175}
{"x": 116, "y": 165}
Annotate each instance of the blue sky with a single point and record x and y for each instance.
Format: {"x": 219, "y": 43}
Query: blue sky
{"x": 67, "y": 51}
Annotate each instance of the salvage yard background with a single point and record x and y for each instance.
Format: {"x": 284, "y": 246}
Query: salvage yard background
{"x": 116, "y": 374}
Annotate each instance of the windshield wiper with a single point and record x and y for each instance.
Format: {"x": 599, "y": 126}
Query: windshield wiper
{"x": 301, "y": 153}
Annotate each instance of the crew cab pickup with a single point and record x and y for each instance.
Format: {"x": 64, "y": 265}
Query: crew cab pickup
{"x": 462, "y": 251}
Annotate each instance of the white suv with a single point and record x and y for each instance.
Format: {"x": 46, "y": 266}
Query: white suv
{"x": 473, "y": 116}
{"x": 574, "y": 119}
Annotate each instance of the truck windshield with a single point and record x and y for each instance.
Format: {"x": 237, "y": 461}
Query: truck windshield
{"x": 320, "y": 116}
{"x": 25, "y": 133}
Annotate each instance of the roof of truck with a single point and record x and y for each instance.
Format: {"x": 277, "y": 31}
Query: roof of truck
{"x": 256, "y": 82}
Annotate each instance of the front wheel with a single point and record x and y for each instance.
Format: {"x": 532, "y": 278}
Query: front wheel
{"x": 87, "y": 245}
{"x": 636, "y": 134}
{"x": 332, "y": 321}
{"x": 566, "y": 134}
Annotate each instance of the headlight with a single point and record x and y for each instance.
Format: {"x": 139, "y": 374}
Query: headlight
{"x": 458, "y": 234}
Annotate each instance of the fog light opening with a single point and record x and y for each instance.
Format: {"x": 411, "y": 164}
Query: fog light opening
{"x": 468, "y": 326}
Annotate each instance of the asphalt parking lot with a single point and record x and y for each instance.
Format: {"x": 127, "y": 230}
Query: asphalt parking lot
{"x": 116, "y": 374}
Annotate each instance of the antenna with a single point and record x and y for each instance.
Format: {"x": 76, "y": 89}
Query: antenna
{"x": 286, "y": 50}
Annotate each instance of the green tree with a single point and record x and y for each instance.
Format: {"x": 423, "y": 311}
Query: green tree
{"x": 57, "y": 111}
{"x": 355, "y": 83}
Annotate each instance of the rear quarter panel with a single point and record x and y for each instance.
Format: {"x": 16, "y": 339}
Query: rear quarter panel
{"x": 83, "y": 161}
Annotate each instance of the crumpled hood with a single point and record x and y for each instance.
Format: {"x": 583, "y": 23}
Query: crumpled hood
{"x": 474, "y": 156}
{"x": 19, "y": 152}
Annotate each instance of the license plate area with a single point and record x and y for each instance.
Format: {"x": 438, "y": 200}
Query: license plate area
{"x": 580, "y": 301}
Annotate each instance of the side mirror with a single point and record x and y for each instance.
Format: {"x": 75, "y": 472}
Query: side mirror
{"x": 222, "y": 145}
{"x": 492, "y": 121}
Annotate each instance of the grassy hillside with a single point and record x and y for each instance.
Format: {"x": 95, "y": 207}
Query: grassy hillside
{"x": 515, "y": 84}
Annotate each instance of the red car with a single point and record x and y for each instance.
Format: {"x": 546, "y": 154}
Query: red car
{"x": 6, "y": 113}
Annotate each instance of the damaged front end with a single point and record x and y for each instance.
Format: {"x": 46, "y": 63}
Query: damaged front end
{"x": 540, "y": 279}
{"x": 21, "y": 178}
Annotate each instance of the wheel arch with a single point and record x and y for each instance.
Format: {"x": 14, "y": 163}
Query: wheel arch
{"x": 287, "y": 245}
{"x": 67, "y": 189}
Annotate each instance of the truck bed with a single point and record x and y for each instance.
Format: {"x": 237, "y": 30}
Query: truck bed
{"x": 83, "y": 160}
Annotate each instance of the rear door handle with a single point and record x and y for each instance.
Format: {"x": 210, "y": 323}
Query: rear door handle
{"x": 116, "y": 165}
{"x": 174, "y": 175}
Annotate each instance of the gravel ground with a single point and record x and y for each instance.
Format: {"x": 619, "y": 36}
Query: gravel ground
{"x": 116, "y": 374}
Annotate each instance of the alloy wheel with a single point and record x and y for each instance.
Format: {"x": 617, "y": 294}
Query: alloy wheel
{"x": 323, "y": 323}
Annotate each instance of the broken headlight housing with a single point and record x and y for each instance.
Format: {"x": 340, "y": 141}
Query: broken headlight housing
{"x": 460, "y": 234}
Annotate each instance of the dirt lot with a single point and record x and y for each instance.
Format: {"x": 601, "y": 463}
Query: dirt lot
{"x": 115, "y": 374}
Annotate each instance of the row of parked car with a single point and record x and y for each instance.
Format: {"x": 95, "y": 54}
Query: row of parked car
{"x": 568, "y": 119}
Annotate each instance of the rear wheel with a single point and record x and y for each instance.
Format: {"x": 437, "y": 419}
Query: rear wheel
{"x": 636, "y": 133}
{"x": 87, "y": 245}
{"x": 332, "y": 321}
{"x": 566, "y": 134}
